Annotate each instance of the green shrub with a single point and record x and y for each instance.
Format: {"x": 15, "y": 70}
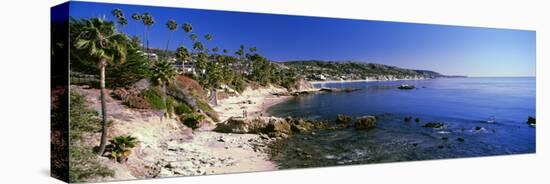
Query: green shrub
{"x": 182, "y": 108}
{"x": 122, "y": 146}
{"x": 84, "y": 165}
{"x": 154, "y": 98}
{"x": 192, "y": 120}
{"x": 170, "y": 106}
{"x": 83, "y": 162}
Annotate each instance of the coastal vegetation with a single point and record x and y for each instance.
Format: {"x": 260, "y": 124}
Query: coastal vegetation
{"x": 83, "y": 162}
{"x": 195, "y": 87}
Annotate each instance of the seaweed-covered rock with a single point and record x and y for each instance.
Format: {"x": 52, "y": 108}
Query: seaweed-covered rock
{"x": 342, "y": 119}
{"x": 435, "y": 125}
{"x": 365, "y": 123}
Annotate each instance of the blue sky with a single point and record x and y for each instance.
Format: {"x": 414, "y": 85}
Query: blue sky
{"x": 450, "y": 50}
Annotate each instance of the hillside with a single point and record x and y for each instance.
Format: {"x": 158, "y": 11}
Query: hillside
{"x": 316, "y": 70}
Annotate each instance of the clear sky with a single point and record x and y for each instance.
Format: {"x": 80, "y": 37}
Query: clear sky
{"x": 449, "y": 50}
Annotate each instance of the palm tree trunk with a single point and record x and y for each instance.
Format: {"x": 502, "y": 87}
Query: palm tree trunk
{"x": 147, "y": 38}
{"x": 164, "y": 98}
{"x": 167, "y": 44}
{"x": 103, "y": 109}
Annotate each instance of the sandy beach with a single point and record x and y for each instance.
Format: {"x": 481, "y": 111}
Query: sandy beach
{"x": 254, "y": 101}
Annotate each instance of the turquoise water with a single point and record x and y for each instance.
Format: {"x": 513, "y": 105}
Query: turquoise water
{"x": 489, "y": 114}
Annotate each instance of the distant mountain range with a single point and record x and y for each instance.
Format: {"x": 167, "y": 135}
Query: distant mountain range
{"x": 317, "y": 70}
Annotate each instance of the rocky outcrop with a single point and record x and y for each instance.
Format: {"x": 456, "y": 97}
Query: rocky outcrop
{"x": 301, "y": 85}
{"x": 272, "y": 126}
{"x": 342, "y": 119}
{"x": 435, "y": 125}
{"x": 365, "y": 123}
{"x": 242, "y": 125}
{"x": 405, "y": 86}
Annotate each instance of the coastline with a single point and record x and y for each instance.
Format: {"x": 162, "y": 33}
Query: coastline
{"x": 361, "y": 80}
{"x": 255, "y": 102}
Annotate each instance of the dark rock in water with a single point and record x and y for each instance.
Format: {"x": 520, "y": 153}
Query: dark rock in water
{"x": 365, "y": 123}
{"x": 342, "y": 119}
{"x": 445, "y": 138}
{"x": 440, "y": 147}
{"x": 477, "y": 128}
{"x": 531, "y": 121}
{"x": 460, "y": 139}
{"x": 405, "y": 86}
{"x": 407, "y": 119}
{"x": 417, "y": 120}
{"x": 433, "y": 125}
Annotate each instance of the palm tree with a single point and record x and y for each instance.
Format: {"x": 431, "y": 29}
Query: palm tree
{"x": 122, "y": 146}
{"x": 225, "y": 51}
{"x": 187, "y": 27}
{"x": 123, "y": 22}
{"x": 163, "y": 73}
{"x": 208, "y": 37}
{"x": 148, "y": 21}
{"x": 240, "y": 54}
{"x": 193, "y": 37}
{"x": 215, "y": 49}
{"x": 137, "y": 18}
{"x": 172, "y": 25}
{"x": 253, "y": 49}
{"x": 198, "y": 46}
{"x": 117, "y": 13}
{"x": 103, "y": 43}
{"x": 182, "y": 54}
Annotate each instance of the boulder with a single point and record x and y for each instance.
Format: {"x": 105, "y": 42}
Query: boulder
{"x": 406, "y": 87}
{"x": 435, "y": 125}
{"x": 342, "y": 119}
{"x": 253, "y": 125}
{"x": 277, "y": 125}
{"x": 365, "y": 123}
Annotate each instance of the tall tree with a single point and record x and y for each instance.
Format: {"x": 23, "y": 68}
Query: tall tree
{"x": 183, "y": 55}
{"x": 105, "y": 45}
{"x": 137, "y": 19}
{"x": 148, "y": 21}
{"x": 120, "y": 18}
{"x": 242, "y": 61}
{"x": 193, "y": 37}
{"x": 117, "y": 13}
{"x": 163, "y": 73}
{"x": 123, "y": 22}
{"x": 172, "y": 26}
{"x": 187, "y": 28}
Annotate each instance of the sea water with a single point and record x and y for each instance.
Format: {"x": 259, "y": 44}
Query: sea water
{"x": 482, "y": 117}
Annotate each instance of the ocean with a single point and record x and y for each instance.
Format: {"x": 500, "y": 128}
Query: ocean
{"x": 482, "y": 117}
